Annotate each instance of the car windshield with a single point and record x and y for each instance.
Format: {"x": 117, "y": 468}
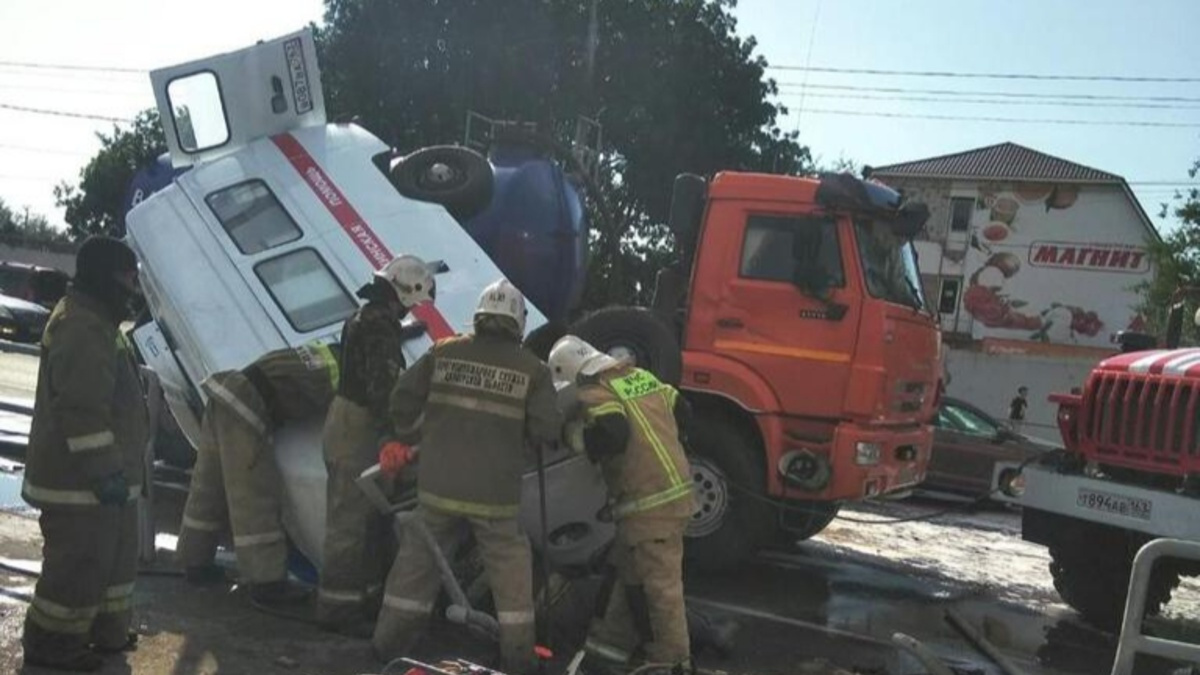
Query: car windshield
{"x": 889, "y": 264}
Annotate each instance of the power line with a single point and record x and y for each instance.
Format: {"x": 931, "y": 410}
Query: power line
{"x": 1028, "y": 120}
{"x": 1003, "y": 94}
{"x": 72, "y": 67}
{"x": 986, "y": 76}
{"x": 145, "y": 93}
{"x": 944, "y": 99}
{"x": 47, "y": 151}
{"x": 64, "y": 113}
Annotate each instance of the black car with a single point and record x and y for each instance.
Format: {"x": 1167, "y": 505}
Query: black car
{"x": 21, "y": 320}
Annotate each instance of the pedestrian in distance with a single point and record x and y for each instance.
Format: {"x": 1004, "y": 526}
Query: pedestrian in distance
{"x": 1016, "y": 409}
{"x": 83, "y": 467}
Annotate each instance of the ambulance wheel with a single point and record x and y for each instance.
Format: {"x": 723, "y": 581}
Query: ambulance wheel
{"x": 731, "y": 521}
{"x": 458, "y": 178}
{"x": 635, "y": 333}
{"x": 541, "y": 340}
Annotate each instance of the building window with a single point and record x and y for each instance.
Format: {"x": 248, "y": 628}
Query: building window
{"x": 304, "y": 288}
{"x": 961, "y": 209}
{"x": 768, "y": 250}
{"x": 253, "y": 217}
{"x": 948, "y": 298}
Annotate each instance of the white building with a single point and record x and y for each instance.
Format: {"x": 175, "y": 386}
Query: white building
{"x": 1032, "y": 262}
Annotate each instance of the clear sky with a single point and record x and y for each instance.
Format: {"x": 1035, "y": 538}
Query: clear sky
{"x": 1148, "y": 38}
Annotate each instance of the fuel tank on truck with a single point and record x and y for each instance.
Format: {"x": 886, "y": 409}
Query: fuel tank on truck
{"x": 535, "y": 228}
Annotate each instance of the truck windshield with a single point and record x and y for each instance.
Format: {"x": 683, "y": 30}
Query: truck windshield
{"x": 889, "y": 264}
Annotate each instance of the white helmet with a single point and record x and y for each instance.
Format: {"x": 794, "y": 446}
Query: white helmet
{"x": 410, "y": 277}
{"x": 571, "y": 357}
{"x": 501, "y": 298}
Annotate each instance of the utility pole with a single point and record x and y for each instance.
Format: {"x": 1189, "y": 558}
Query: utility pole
{"x": 592, "y": 40}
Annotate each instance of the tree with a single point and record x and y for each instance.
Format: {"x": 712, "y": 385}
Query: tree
{"x": 96, "y": 204}
{"x": 1176, "y": 261}
{"x": 674, "y": 87}
{"x": 29, "y": 230}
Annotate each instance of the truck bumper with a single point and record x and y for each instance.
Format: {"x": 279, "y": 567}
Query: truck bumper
{"x": 902, "y": 457}
{"x": 1154, "y": 512}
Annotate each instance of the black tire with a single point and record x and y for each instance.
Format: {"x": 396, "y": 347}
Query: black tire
{"x": 730, "y": 523}
{"x": 459, "y": 179}
{"x": 542, "y": 338}
{"x": 804, "y": 520}
{"x": 640, "y": 332}
{"x": 1093, "y": 577}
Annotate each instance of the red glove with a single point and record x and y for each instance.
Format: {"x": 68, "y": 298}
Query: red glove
{"x": 394, "y": 456}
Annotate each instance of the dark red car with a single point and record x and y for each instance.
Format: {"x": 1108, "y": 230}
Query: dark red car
{"x": 967, "y": 443}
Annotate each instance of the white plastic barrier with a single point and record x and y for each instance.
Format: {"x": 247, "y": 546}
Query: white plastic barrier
{"x": 1133, "y": 641}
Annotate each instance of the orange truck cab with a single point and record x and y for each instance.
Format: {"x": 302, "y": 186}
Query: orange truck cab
{"x": 809, "y": 353}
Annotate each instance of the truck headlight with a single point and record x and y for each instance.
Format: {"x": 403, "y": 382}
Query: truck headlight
{"x": 866, "y": 453}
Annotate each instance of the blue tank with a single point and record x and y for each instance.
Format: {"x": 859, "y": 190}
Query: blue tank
{"x": 535, "y": 229}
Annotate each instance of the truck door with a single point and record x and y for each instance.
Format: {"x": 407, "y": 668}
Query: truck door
{"x": 799, "y": 343}
{"x": 213, "y": 106}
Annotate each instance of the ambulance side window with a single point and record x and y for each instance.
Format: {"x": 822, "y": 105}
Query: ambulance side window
{"x": 253, "y": 217}
{"x": 305, "y": 289}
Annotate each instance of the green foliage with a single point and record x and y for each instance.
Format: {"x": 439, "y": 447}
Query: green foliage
{"x": 94, "y": 206}
{"x": 1176, "y": 260}
{"x": 29, "y": 230}
{"x": 674, "y": 87}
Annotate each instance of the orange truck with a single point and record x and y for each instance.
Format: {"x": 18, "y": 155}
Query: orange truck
{"x": 808, "y": 351}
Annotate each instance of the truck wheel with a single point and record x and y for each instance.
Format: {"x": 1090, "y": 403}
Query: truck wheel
{"x": 541, "y": 340}
{"x": 637, "y": 333}
{"x": 804, "y": 520}
{"x": 731, "y": 521}
{"x": 1094, "y": 579}
{"x": 458, "y": 178}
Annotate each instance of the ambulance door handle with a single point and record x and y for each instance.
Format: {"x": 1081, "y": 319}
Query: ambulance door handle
{"x": 728, "y": 322}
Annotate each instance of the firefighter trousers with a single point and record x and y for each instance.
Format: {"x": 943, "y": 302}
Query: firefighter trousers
{"x": 645, "y": 608}
{"x": 414, "y": 582}
{"x": 236, "y": 479}
{"x": 85, "y": 592}
{"x": 353, "y": 560}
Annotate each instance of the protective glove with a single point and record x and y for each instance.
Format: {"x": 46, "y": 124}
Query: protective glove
{"x": 394, "y": 456}
{"x": 112, "y": 490}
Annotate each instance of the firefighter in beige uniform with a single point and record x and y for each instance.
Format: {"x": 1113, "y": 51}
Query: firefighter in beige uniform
{"x": 631, "y": 427}
{"x": 84, "y": 467}
{"x": 236, "y": 477}
{"x": 356, "y": 425}
{"x": 485, "y": 402}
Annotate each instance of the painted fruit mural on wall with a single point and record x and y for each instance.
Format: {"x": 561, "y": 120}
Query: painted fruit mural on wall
{"x": 1052, "y": 263}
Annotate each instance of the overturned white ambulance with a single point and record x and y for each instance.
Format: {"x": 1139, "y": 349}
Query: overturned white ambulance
{"x": 260, "y": 244}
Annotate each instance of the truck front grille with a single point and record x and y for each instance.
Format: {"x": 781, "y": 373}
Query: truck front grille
{"x": 1142, "y": 421}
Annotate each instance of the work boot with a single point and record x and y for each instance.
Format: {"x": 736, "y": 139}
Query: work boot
{"x": 57, "y": 651}
{"x": 203, "y": 575}
{"x": 274, "y": 593}
{"x": 78, "y": 661}
{"x": 705, "y": 631}
{"x": 130, "y": 644}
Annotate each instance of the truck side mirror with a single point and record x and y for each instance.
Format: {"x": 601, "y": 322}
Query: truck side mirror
{"x": 687, "y": 210}
{"x": 910, "y": 221}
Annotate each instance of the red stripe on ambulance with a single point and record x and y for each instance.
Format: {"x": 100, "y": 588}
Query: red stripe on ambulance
{"x": 360, "y": 232}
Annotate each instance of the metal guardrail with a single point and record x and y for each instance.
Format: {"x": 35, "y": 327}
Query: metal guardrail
{"x": 1133, "y": 641}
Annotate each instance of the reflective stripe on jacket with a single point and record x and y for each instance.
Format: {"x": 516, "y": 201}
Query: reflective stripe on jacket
{"x": 89, "y": 418}
{"x": 475, "y": 404}
{"x": 652, "y": 474}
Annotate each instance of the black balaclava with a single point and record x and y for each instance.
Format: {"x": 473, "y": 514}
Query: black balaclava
{"x": 379, "y": 291}
{"x": 98, "y": 265}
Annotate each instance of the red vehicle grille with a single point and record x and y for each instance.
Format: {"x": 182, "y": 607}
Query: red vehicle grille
{"x": 1143, "y": 421}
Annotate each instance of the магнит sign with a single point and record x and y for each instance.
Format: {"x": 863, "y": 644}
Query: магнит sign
{"x": 1094, "y": 257}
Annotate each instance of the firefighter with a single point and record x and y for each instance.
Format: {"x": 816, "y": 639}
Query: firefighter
{"x": 356, "y": 425}
{"x": 84, "y": 467}
{"x": 482, "y": 402}
{"x": 631, "y": 426}
{"x": 236, "y": 477}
